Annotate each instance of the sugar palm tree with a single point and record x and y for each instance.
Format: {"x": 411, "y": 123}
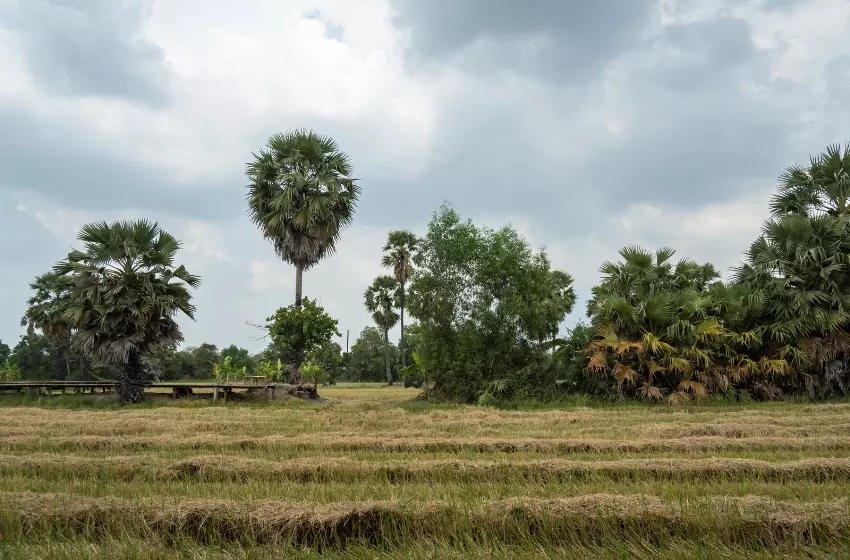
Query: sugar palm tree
{"x": 126, "y": 293}
{"x": 398, "y": 255}
{"x": 301, "y": 195}
{"x": 381, "y": 302}
{"x": 45, "y": 311}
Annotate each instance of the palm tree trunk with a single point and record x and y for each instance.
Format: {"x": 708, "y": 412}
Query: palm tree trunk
{"x": 299, "y": 274}
{"x": 57, "y": 358}
{"x": 387, "y": 356}
{"x": 402, "y": 345}
{"x": 131, "y": 386}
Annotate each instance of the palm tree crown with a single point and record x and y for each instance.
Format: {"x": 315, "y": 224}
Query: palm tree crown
{"x": 126, "y": 289}
{"x": 398, "y": 255}
{"x": 381, "y": 302}
{"x": 301, "y": 195}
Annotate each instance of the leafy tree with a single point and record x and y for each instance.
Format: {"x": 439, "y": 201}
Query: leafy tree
{"x": 46, "y": 311}
{"x": 381, "y": 302}
{"x": 480, "y": 296}
{"x": 126, "y": 293}
{"x": 297, "y": 330}
{"x": 5, "y": 351}
{"x": 366, "y": 358}
{"x": 328, "y": 355}
{"x": 301, "y": 195}
{"x": 398, "y": 255}
{"x": 240, "y": 357}
{"x": 32, "y": 354}
{"x": 202, "y": 359}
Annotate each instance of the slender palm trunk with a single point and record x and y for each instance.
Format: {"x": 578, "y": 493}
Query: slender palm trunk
{"x": 402, "y": 345}
{"x": 299, "y": 275}
{"x": 387, "y": 356}
{"x": 131, "y": 384}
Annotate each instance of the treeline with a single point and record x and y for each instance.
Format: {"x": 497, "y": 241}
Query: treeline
{"x": 36, "y": 358}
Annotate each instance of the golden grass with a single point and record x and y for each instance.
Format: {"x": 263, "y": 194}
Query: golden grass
{"x": 749, "y": 519}
{"x": 343, "y": 469}
{"x": 394, "y": 443}
{"x": 363, "y": 476}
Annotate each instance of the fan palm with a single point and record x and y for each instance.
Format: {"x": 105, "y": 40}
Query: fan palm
{"x": 381, "y": 302}
{"x": 126, "y": 292}
{"x": 301, "y": 195}
{"x": 45, "y": 311}
{"x": 398, "y": 255}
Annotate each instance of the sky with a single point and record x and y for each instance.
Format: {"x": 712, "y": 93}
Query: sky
{"x": 587, "y": 125}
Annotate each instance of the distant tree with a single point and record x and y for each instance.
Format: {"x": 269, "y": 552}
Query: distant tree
{"x": 398, "y": 255}
{"x": 32, "y": 353}
{"x": 381, "y": 302}
{"x": 5, "y": 351}
{"x": 366, "y": 358}
{"x": 301, "y": 195}
{"x": 328, "y": 355}
{"x": 126, "y": 293}
{"x": 239, "y": 357}
{"x": 202, "y": 359}
{"x": 47, "y": 311}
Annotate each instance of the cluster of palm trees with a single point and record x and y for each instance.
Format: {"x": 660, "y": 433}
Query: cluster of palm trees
{"x": 387, "y": 292}
{"x": 115, "y": 300}
{"x": 781, "y": 325}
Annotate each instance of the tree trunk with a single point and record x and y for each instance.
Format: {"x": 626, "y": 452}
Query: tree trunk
{"x": 58, "y": 357}
{"x": 387, "y": 356}
{"x": 299, "y": 275}
{"x": 402, "y": 345}
{"x": 131, "y": 384}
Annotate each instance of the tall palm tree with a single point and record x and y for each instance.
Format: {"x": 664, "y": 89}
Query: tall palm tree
{"x": 301, "y": 195}
{"x": 381, "y": 302}
{"x": 398, "y": 255}
{"x": 126, "y": 292}
{"x": 45, "y": 311}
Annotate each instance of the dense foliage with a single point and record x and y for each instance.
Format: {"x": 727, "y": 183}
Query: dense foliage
{"x": 297, "y": 330}
{"x": 485, "y": 302}
{"x": 366, "y": 359}
{"x": 779, "y": 327}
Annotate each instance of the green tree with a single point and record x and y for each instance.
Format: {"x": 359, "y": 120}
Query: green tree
{"x": 480, "y": 296}
{"x": 301, "y": 195}
{"x": 381, "y": 302}
{"x": 366, "y": 358}
{"x": 32, "y": 354}
{"x": 126, "y": 293}
{"x": 5, "y": 351}
{"x": 46, "y": 311}
{"x": 398, "y": 255}
{"x": 239, "y": 357}
{"x": 329, "y": 356}
{"x": 296, "y": 331}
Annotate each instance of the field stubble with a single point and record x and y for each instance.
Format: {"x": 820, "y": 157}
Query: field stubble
{"x": 363, "y": 476}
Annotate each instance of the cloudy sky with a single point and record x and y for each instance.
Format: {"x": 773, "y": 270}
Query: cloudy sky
{"x": 586, "y": 124}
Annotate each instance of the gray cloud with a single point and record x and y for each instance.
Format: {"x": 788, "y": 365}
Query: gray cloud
{"x": 565, "y": 40}
{"x": 655, "y": 131}
{"x": 91, "y": 48}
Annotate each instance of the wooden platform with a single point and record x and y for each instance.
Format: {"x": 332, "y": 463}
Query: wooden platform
{"x": 178, "y": 389}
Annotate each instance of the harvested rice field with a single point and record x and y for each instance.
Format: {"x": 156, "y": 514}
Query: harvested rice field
{"x": 369, "y": 475}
